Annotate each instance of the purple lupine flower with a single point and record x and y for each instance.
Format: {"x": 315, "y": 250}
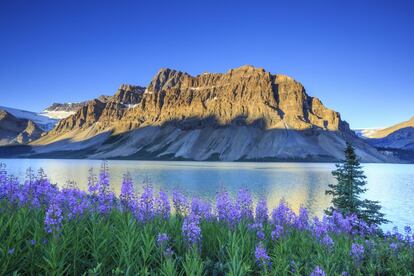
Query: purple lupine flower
{"x": 74, "y": 202}
{"x": 262, "y": 213}
{"x": 357, "y": 252}
{"x": 277, "y": 232}
{"x": 162, "y": 239}
{"x": 345, "y": 273}
{"x": 283, "y": 215}
{"x": 292, "y": 266}
{"x": 394, "y": 247}
{"x": 260, "y": 235}
{"x": 53, "y": 218}
{"x": 319, "y": 227}
{"x": 146, "y": 209}
{"x": 302, "y": 220}
{"x": 92, "y": 183}
{"x": 32, "y": 242}
{"x": 318, "y": 271}
{"x": 104, "y": 196}
{"x": 191, "y": 230}
{"x": 258, "y": 228}
{"x": 226, "y": 210}
{"x": 127, "y": 195}
{"x": 327, "y": 241}
{"x": 11, "y": 190}
{"x": 10, "y": 251}
{"x": 337, "y": 223}
{"x": 201, "y": 208}
{"x": 180, "y": 202}
{"x": 407, "y": 230}
{"x": 262, "y": 259}
{"x": 244, "y": 204}
{"x": 162, "y": 205}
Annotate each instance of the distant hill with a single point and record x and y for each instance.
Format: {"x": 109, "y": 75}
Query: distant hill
{"x": 397, "y": 139}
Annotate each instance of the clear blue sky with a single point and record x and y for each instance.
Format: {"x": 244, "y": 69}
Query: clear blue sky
{"x": 356, "y": 56}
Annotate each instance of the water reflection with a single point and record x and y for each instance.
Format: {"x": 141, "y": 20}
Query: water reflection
{"x": 298, "y": 183}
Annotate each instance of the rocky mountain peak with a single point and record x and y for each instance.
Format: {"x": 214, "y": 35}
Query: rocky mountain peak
{"x": 165, "y": 78}
{"x": 128, "y": 94}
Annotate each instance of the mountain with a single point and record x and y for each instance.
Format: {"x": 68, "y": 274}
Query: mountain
{"x": 397, "y": 140}
{"x": 62, "y": 110}
{"x": 44, "y": 122}
{"x": 398, "y": 136}
{"x": 14, "y": 130}
{"x": 244, "y": 114}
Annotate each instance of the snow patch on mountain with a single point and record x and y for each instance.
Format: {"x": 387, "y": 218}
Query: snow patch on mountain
{"x": 43, "y": 121}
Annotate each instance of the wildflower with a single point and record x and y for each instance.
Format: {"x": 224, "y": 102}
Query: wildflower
{"x": 162, "y": 239}
{"x": 191, "y": 230}
{"x": 201, "y": 208}
{"x": 318, "y": 271}
{"x": 74, "y": 202}
{"x": 283, "y": 215}
{"x": 32, "y": 242}
{"x": 162, "y": 205}
{"x": 292, "y": 266}
{"x": 146, "y": 205}
{"x": 357, "y": 252}
{"x": 127, "y": 195}
{"x": 302, "y": 221}
{"x": 262, "y": 211}
{"x": 244, "y": 204}
{"x": 168, "y": 252}
{"x": 262, "y": 259}
{"x": 394, "y": 247}
{"x": 327, "y": 241}
{"x": 102, "y": 195}
{"x": 277, "y": 232}
{"x": 92, "y": 182}
{"x": 227, "y": 211}
{"x": 10, "y": 251}
{"x": 319, "y": 228}
{"x": 53, "y": 218}
{"x": 180, "y": 203}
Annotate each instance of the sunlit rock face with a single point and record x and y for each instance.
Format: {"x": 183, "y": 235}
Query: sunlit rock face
{"x": 15, "y": 130}
{"x": 244, "y": 114}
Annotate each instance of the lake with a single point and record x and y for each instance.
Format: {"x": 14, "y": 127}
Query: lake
{"x": 298, "y": 183}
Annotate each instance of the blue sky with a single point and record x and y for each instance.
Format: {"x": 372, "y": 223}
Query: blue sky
{"x": 356, "y": 56}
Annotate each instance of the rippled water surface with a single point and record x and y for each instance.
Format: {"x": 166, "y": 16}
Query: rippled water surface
{"x": 299, "y": 183}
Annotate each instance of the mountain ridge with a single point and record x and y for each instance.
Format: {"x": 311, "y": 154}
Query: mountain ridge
{"x": 243, "y": 114}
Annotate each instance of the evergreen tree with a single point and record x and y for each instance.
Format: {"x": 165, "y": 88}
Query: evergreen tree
{"x": 350, "y": 185}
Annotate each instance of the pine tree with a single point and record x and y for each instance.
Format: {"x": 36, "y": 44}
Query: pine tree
{"x": 350, "y": 185}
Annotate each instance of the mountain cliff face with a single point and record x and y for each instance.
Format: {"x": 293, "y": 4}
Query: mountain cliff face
{"x": 397, "y": 140}
{"x": 17, "y": 131}
{"x": 244, "y": 114}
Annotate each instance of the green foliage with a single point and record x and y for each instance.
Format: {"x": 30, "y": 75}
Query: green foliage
{"x": 346, "y": 193}
{"x": 116, "y": 244}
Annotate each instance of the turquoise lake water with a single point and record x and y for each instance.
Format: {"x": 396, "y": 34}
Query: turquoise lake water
{"x": 298, "y": 183}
